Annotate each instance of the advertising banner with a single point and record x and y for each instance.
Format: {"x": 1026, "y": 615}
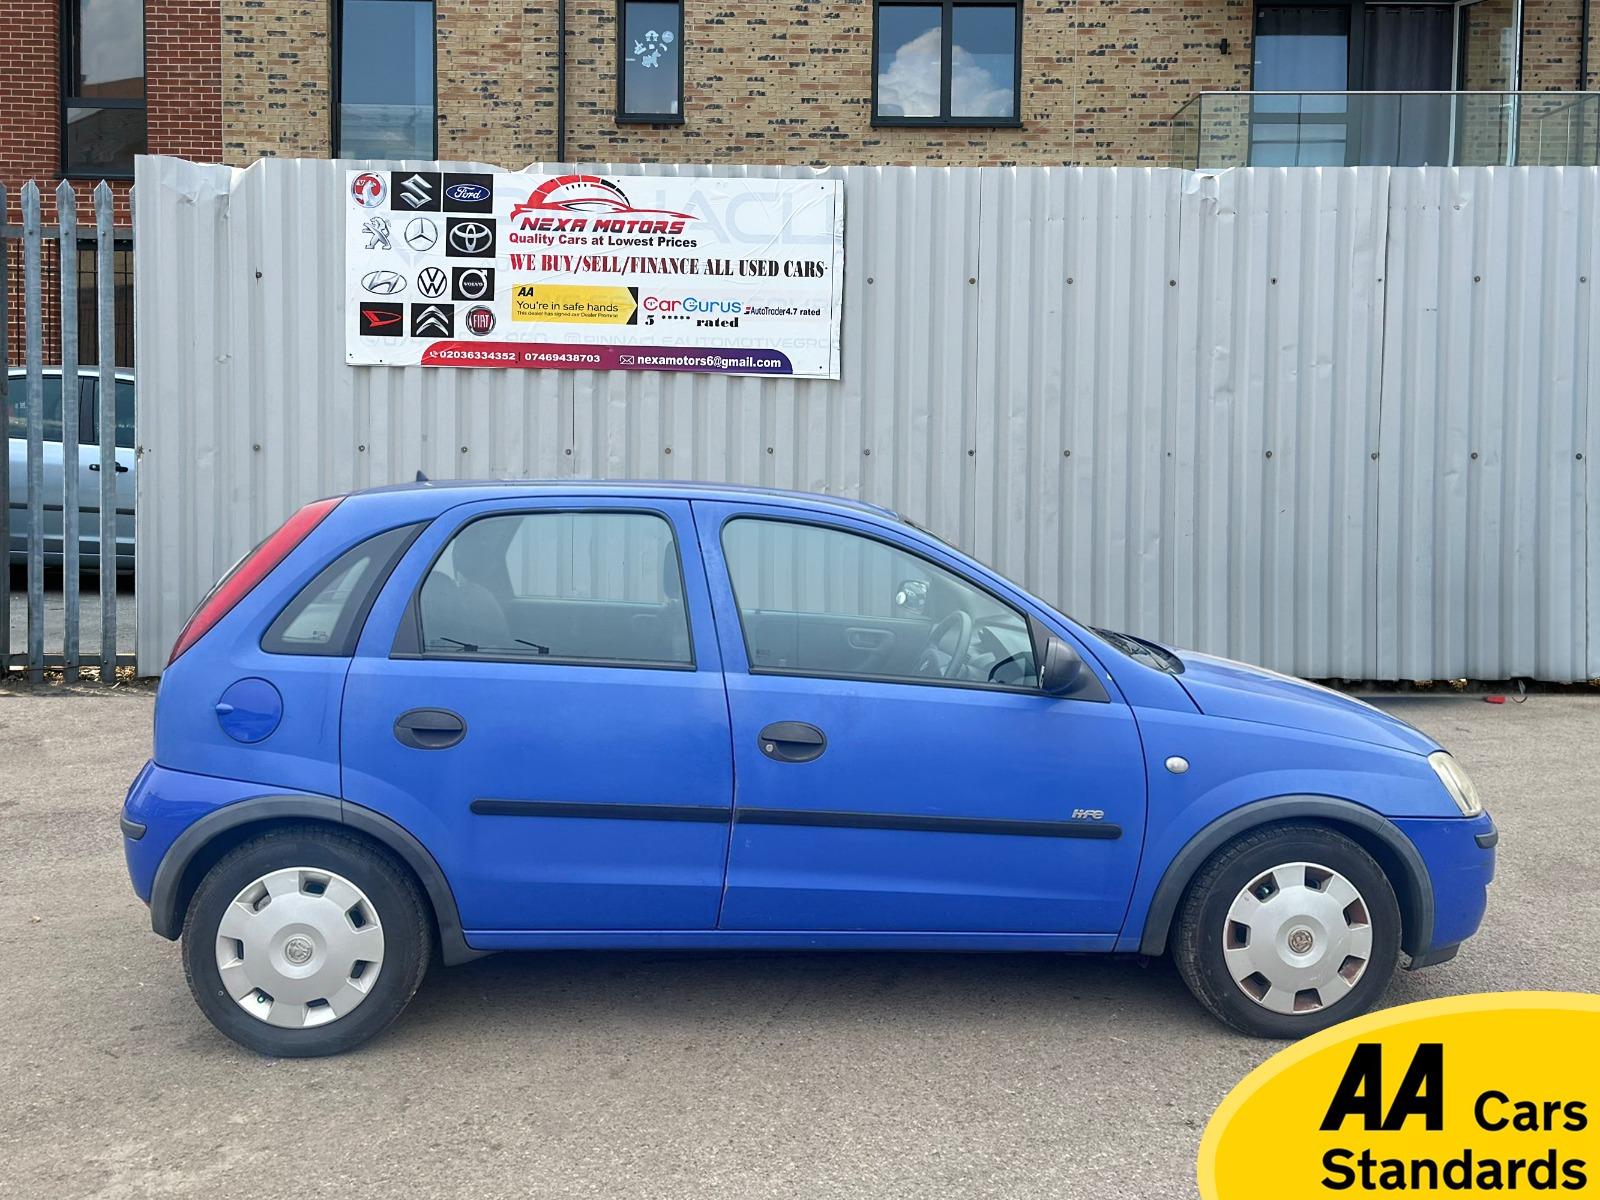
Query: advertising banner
{"x": 584, "y": 272}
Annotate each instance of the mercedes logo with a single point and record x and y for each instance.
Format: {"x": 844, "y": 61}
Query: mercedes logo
{"x": 422, "y": 234}
{"x": 470, "y": 237}
{"x": 431, "y": 282}
{"x": 383, "y": 283}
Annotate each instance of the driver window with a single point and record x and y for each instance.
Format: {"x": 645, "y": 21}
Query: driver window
{"x": 820, "y": 601}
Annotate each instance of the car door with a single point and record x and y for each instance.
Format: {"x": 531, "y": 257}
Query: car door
{"x": 923, "y": 785}
{"x": 89, "y": 470}
{"x": 538, "y": 697}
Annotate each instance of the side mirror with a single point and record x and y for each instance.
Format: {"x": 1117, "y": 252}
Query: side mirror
{"x": 911, "y": 597}
{"x": 1064, "y": 669}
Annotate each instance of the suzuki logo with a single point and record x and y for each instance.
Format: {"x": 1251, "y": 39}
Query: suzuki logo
{"x": 470, "y": 237}
{"x": 417, "y": 191}
{"x": 422, "y": 234}
{"x": 432, "y": 282}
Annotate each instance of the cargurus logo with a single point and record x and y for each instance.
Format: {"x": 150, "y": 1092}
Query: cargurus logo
{"x": 692, "y": 304}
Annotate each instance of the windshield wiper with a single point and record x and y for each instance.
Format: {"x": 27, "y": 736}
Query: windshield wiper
{"x": 537, "y": 647}
{"x": 469, "y": 647}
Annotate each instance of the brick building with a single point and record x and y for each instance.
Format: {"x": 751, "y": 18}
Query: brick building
{"x": 955, "y": 82}
{"x": 89, "y": 84}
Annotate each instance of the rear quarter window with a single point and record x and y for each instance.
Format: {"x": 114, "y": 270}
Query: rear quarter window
{"x": 326, "y": 616}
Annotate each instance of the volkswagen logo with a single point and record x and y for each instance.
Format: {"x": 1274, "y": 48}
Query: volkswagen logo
{"x": 480, "y": 319}
{"x": 467, "y": 193}
{"x": 470, "y": 237}
{"x": 421, "y": 234}
{"x": 383, "y": 283}
{"x": 431, "y": 282}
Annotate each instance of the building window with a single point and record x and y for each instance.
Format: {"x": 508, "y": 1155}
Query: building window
{"x": 102, "y": 87}
{"x": 955, "y": 63}
{"x": 384, "y": 88}
{"x": 650, "y": 61}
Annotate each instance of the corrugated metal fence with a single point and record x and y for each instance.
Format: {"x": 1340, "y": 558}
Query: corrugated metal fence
{"x": 52, "y": 510}
{"x": 1335, "y": 421}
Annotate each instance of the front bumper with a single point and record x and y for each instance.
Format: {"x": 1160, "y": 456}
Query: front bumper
{"x": 1460, "y": 857}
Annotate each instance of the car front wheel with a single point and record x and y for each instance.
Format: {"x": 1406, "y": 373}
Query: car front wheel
{"x": 305, "y": 942}
{"x": 1288, "y": 930}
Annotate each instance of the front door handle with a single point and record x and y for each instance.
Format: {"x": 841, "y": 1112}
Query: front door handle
{"x": 429, "y": 729}
{"x": 792, "y": 741}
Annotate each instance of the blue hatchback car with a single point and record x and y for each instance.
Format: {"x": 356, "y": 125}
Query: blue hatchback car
{"x": 450, "y": 719}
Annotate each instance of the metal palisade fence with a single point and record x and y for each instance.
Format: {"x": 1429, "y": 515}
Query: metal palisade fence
{"x": 28, "y": 516}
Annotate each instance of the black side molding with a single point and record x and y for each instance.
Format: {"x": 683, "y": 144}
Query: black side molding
{"x": 131, "y": 830}
{"x": 708, "y": 813}
{"x": 919, "y": 823}
{"x": 1487, "y": 841}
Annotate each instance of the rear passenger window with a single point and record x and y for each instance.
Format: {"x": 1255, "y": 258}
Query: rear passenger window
{"x": 326, "y": 617}
{"x": 596, "y": 587}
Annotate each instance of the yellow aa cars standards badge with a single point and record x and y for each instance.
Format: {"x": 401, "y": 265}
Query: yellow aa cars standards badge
{"x": 1493, "y": 1095}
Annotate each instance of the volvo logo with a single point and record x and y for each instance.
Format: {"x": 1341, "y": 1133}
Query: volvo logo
{"x": 416, "y": 191}
{"x": 422, "y": 234}
{"x": 467, "y": 193}
{"x": 474, "y": 283}
{"x": 431, "y": 282}
{"x": 470, "y": 237}
{"x": 383, "y": 283}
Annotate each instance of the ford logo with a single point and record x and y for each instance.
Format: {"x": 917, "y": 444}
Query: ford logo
{"x": 467, "y": 193}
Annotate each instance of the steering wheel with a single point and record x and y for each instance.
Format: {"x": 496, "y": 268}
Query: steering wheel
{"x": 928, "y": 660}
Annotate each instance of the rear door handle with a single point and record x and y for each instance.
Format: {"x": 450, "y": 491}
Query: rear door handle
{"x": 792, "y": 741}
{"x": 121, "y": 470}
{"x": 429, "y": 729}
{"x": 867, "y": 639}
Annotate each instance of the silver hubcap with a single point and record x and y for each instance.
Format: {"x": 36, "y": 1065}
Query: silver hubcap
{"x": 299, "y": 947}
{"x": 1298, "y": 938}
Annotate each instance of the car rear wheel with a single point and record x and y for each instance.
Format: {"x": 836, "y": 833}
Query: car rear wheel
{"x": 1288, "y": 930}
{"x": 305, "y": 942}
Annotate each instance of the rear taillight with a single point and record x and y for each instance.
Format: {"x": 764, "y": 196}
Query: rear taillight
{"x": 249, "y": 571}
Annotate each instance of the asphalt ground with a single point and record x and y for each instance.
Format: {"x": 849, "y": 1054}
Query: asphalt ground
{"x": 55, "y": 614}
{"x": 663, "y": 1075}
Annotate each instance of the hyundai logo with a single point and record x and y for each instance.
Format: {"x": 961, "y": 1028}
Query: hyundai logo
{"x": 383, "y": 283}
{"x": 470, "y": 237}
{"x": 467, "y": 193}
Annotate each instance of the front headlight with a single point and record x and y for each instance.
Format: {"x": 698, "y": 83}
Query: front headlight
{"x": 1456, "y": 782}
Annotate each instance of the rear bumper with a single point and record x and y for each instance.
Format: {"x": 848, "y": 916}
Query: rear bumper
{"x": 1460, "y": 857}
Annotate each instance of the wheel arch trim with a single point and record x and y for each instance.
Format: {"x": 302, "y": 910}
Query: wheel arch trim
{"x": 1374, "y": 832}
{"x": 167, "y": 909}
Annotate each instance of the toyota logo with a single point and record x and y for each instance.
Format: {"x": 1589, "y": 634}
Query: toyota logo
{"x": 383, "y": 283}
{"x": 422, "y": 234}
{"x": 431, "y": 282}
{"x": 470, "y": 237}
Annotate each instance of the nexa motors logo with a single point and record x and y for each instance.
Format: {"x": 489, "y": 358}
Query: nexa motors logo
{"x": 583, "y": 203}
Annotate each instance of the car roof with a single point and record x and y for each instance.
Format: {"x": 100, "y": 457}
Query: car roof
{"x": 488, "y": 489}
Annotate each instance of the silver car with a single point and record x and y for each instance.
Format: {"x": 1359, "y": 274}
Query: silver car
{"x": 88, "y": 408}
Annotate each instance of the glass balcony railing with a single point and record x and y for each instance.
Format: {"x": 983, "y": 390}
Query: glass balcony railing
{"x": 1404, "y": 129}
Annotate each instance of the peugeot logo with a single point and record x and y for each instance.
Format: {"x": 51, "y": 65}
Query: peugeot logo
{"x": 383, "y": 283}
{"x": 431, "y": 282}
{"x": 470, "y": 237}
{"x": 473, "y": 283}
{"x": 432, "y": 319}
{"x": 467, "y": 193}
{"x": 416, "y": 191}
{"x": 422, "y": 234}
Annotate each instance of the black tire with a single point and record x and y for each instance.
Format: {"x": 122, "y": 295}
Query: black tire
{"x": 391, "y": 890}
{"x": 1197, "y": 944}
